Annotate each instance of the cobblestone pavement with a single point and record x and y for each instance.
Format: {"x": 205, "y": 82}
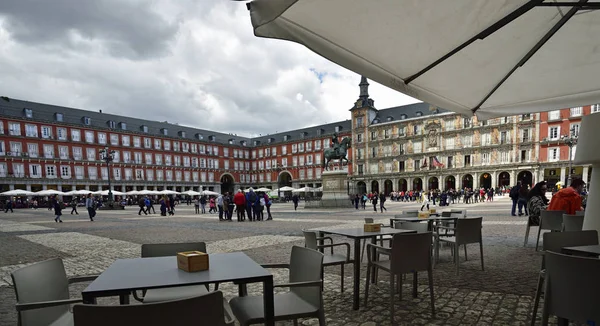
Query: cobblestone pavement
{"x": 500, "y": 295}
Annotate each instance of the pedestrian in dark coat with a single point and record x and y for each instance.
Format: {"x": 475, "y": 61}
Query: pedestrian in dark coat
{"x": 57, "y": 210}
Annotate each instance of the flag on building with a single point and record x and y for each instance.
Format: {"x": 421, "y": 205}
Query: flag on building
{"x": 437, "y": 163}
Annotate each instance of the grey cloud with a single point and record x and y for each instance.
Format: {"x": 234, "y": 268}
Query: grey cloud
{"x": 125, "y": 28}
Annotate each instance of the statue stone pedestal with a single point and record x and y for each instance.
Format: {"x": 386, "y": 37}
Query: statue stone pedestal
{"x": 335, "y": 192}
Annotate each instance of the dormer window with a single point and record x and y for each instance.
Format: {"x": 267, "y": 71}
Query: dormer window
{"x": 211, "y": 138}
{"x": 256, "y": 142}
{"x": 304, "y": 134}
{"x": 243, "y": 143}
{"x": 286, "y": 137}
{"x": 389, "y": 118}
{"x": 199, "y": 136}
{"x": 320, "y": 132}
{"x": 419, "y": 113}
{"x": 86, "y": 121}
{"x": 403, "y": 116}
{"x": 164, "y": 131}
{"x": 338, "y": 128}
{"x": 181, "y": 134}
{"x": 122, "y": 125}
{"x": 111, "y": 124}
{"x": 231, "y": 141}
{"x": 144, "y": 128}
{"x": 271, "y": 140}
{"x": 58, "y": 117}
{"x": 28, "y": 113}
{"x": 376, "y": 120}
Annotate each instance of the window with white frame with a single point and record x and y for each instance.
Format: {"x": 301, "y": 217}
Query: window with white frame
{"x": 128, "y": 174}
{"x": 595, "y": 108}
{"x": 186, "y": 161}
{"x": 177, "y": 160}
{"x": 61, "y": 133}
{"x": 486, "y": 139}
{"x": 301, "y": 147}
{"x": 284, "y": 162}
{"x": 216, "y": 150}
{"x": 148, "y": 158}
{"x": 79, "y": 174}
{"x": 254, "y": 166}
{"x": 294, "y": 148}
{"x": 50, "y": 171}
{"x": 137, "y": 142}
{"x": 576, "y": 111}
{"x": 77, "y": 153}
{"x": 116, "y": 156}
{"x": 301, "y": 160}
{"x": 30, "y": 131}
{"x": 169, "y": 175}
{"x": 150, "y": 175}
{"x": 167, "y": 160}
{"x": 159, "y": 175}
{"x": 63, "y": 152}
{"x": 283, "y": 149}
{"x": 302, "y": 174}
{"x": 505, "y": 157}
{"x": 125, "y": 140}
{"x": 226, "y": 152}
{"x": 417, "y": 147}
{"x": 92, "y": 172}
{"x": 295, "y": 161}
{"x": 46, "y": 132}
{"x": 553, "y": 154}
{"x": 116, "y": 173}
{"x": 75, "y": 135}
{"x": 554, "y": 132}
{"x": 309, "y": 146}
{"x": 226, "y": 164}
{"x": 18, "y": 170}
{"x": 65, "y": 171}
{"x": 176, "y": 146}
{"x": 101, "y": 138}
{"x": 235, "y": 153}
{"x": 14, "y": 129}
{"x": 574, "y": 130}
{"x": 48, "y": 151}
{"x": 157, "y": 143}
{"x": 554, "y": 115}
{"x": 15, "y": 148}
{"x": 91, "y": 154}
{"x": 32, "y": 150}
{"x": 450, "y": 143}
{"x": 260, "y": 153}
{"x": 137, "y": 157}
{"x": 186, "y": 176}
{"x": 127, "y": 157}
{"x": 194, "y": 148}
{"x": 202, "y": 163}
{"x": 485, "y": 158}
{"x": 139, "y": 174}
{"x": 194, "y": 162}
{"x": 35, "y": 170}
{"x": 89, "y": 136}
{"x": 114, "y": 139}
{"x": 309, "y": 159}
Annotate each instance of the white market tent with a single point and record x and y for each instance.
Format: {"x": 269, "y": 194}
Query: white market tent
{"x": 209, "y": 193}
{"x": 491, "y": 58}
{"x": 105, "y": 193}
{"x": 263, "y": 189}
{"x": 304, "y": 189}
{"x": 191, "y": 193}
{"x": 17, "y": 192}
{"x": 49, "y": 192}
{"x": 167, "y": 192}
{"x": 81, "y": 192}
{"x": 286, "y": 188}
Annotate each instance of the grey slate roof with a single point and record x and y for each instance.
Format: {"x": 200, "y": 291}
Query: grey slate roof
{"x": 45, "y": 112}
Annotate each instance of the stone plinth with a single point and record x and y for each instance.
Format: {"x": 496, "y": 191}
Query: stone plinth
{"x": 335, "y": 190}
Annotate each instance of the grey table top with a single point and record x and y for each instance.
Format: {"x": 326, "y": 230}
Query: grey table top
{"x": 431, "y": 218}
{"x": 593, "y": 250}
{"x": 160, "y": 272}
{"x": 359, "y": 233}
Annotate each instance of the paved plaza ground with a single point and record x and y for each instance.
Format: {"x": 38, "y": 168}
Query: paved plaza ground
{"x": 500, "y": 295}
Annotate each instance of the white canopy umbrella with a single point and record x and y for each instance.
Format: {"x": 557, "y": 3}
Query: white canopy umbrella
{"x": 49, "y": 192}
{"x": 319, "y": 189}
{"x": 303, "y": 189}
{"x": 491, "y": 58}
{"x": 133, "y": 192}
{"x": 168, "y": 192}
{"x": 77, "y": 192}
{"x": 191, "y": 193}
{"x": 209, "y": 193}
{"x": 105, "y": 193}
{"x": 286, "y": 188}
{"x": 17, "y": 192}
{"x": 263, "y": 189}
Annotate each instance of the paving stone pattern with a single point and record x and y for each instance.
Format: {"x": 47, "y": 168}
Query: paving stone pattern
{"x": 500, "y": 295}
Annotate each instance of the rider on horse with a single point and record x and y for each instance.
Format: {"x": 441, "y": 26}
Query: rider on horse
{"x": 335, "y": 143}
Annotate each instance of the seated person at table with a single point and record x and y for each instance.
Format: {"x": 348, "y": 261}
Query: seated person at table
{"x": 568, "y": 199}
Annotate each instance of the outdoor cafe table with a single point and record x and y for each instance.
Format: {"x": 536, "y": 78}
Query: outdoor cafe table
{"x": 585, "y": 250}
{"x": 357, "y": 234}
{"x": 429, "y": 220}
{"x": 127, "y": 275}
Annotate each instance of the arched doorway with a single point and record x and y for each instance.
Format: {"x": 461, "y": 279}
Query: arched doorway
{"x": 374, "y": 186}
{"x": 227, "y": 183}
{"x": 361, "y": 187}
{"x": 402, "y": 185}
{"x": 467, "y": 181}
{"x": 388, "y": 187}
{"x": 526, "y": 178}
{"x": 417, "y": 184}
{"x": 504, "y": 179}
{"x": 433, "y": 183}
{"x": 485, "y": 181}
{"x": 450, "y": 182}
{"x": 284, "y": 179}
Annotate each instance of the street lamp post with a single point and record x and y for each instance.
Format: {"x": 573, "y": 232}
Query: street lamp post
{"x": 108, "y": 156}
{"x": 570, "y": 140}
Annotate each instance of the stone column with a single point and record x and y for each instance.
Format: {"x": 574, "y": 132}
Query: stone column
{"x": 28, "y": 187}
{"x": 44, "y": 187}
{"x": 59, "y": 187}
{"x": 409, "y": 184}
{"x": 476, "y": 180}
{"x": 585, "y": 173}
{"x": 540, "y": 175}
{"x": 563, "y": 176}
{"x": 12, "y": 186}
{"x": 513, "y": 177}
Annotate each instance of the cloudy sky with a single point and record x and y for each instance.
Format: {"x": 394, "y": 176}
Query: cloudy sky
{"x": 192, "y": 62}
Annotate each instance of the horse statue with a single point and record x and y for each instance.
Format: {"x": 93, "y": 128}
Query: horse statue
{"x": 339, "y": 151}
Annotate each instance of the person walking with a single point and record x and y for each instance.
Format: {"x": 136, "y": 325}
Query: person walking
{"x": 142, "y": 205}
{"x": 522, "y": 201}
{"x": 356, "y": 201}
{"x": 382, "y": 202}
{"x": 253, "y": 202}
{"x": 295, "y": 199}
{"x": 268, "y": 206}
{"x": 261, "y": 207}
{"x": 197, "y": 205}
{"x": 203, "y": 204}
{"x": 212, "y": 205}
{"x": 89, "y": 205}
{"x": 374, "y": 199}
{"x": 74, "y": 206}
{"x": 147, "y": 203}
{"x": 425, "y": 199}
{"x": 57, "y": 209}
{"x": 239, "y": 199}
{"x": 568, "y": 199}
{"x": 220, "y": 207}
{"x": 151, "y": 206}
{"x": 9, "y": 205}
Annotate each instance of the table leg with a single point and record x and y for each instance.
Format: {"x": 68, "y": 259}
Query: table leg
{"x": 356, "y": 295}
{"x": 269, "y": 301}
{"x": 124, "y": 298}
{"x": 321, "y": 241}
{"x": 374, "y": 255}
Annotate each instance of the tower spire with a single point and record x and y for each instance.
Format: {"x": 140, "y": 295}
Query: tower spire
{"x": 364, "y": 88}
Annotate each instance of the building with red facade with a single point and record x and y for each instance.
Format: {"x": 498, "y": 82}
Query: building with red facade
{"x": 556, "y": 127}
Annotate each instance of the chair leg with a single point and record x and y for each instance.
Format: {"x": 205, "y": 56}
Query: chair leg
{"x": 392, "y": 290}
{"x": 466, "y": 252}
{"x": 367, "y": 284}
{"x": 430, "y": 277}
{"x": 322, "y": 317}
{"x": 526, "y": 233}
{"x": 399, "y": 279}
{"x": 537, "y": 242}
{"x": 536, "y": 300}
{"x": 481, "y": 252}
{"x": 456, "y": 258}
{"x": 362, "y": 254}
{"x": 342, "y": 278}
{"x": 415, "y": 284}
